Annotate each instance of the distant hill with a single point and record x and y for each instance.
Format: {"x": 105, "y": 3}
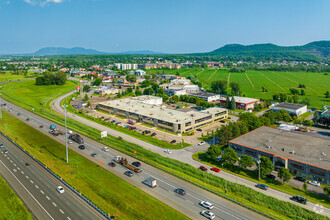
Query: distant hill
{"x": 317, "y": 48}
{"x": 141, "y": 52}
{"x": 51, "y": 51}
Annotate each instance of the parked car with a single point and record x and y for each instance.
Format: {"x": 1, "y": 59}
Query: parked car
{"x": 93, "y": 154}
{"x": 173, "y": 141}
{"x": 18, "y": 114}
{"x": 199, "y": 129}
{"x": 201, "y": 143}
{"x": 129, "y": 173}
{"x": 215, "y": 169}
{"x": 168, "y": 151}
{"x": 41, "y": 126}
{"x": 203, "y": 168}
{"x": 113, "y": 121}
{"x": 69, "y": 142}
{"x": 1, "y": 145}
{"x": 299, "y": 199}
{"x": 153, "y": 134}
{"x": 136, "y": 164}
{"x": 314, "y": 183}
{"x": 208, "y": 214}
{"x": 299, "y": 178}
{"x": 81, "y": 147}
{"x": 271, "y": 176}
{"x": 60, "y": 189}
{"x": 207, "y": 205}
{"x": 262, "y": 186}
{"x": 180, "y": 192}
{"x": 27, "y": 119}
{"x": 112, "y": 164}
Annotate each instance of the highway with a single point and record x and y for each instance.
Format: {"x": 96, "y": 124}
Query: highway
{"x": 188, "y": 204}
{"x": 185, "y": 155}
{"x": 37, "y": 188}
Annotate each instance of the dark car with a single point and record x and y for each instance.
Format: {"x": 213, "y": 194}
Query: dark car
{"x": 93, "y": 154}
{"x": 203, "y": 168}
{"x": 136, "y": 164}
{"x": 113, "y": 121}
{"x": 299, "y": 199}
{"x": 173, "y": 141}
{"x": 134, "y": 128}
{"x": 18, "y": 114}
{"x": 129, "y": 173}
{"x": 112, "y": 164}
{"x": 153, "y": 134}
{"x": 180, "y": 192}
{"x": 27, "y": 119}
{"x": 270, "y": 176}
{"x": 262, "y": 186}
{"x": 199, "y": 129}
{"x": 147, "y": 132}
{"x": 27, "y": 164}
{"x": 299, "y": 178}
{"x": 81, "y": 147}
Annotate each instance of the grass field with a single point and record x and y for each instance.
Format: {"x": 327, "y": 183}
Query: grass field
{"x": 252, "y": 81}
{"x": 11, "y": 207}
{"x": 105, "y": 189}
{"x": 9, "y": 77}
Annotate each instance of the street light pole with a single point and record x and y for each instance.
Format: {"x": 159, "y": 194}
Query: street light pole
{"x": 259, "y": 162}
{"x": 66, "y": 134}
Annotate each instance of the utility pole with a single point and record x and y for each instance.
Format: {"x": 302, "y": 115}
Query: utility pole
{"x": 66, "y": 134}
{"x": 0, "y": 106}
{"x": 259, "y": 162}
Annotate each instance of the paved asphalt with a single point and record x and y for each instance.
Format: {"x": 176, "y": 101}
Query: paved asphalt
{"x": 37, "y": 188}
{"x": 185, "y": 155}
{"x": 188, "y": 204}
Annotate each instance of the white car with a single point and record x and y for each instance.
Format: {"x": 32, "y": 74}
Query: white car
{"x": 60, "y": 189}
{"x": 314, "y": 183}
{"x": 208, "y": 214}
{"x": 168, "y": 151}
{"x": 201, "y": 143}
{"x": 105, "y": 149}
{"x": 69, "y": 132}
{"x": 69, "y": 142}
{"x": 1, "y": 145}
{"x": 207, "y": 205}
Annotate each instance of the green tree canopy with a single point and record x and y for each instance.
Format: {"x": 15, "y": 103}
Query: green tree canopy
{"x": 266, "y": 166}
{"x": 245, "y": 161}
{"x": 284, "y": 174}
{"x": 229, "y": 155}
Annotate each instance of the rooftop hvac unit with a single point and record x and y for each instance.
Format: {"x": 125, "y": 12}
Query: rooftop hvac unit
{"x": 323, "y": 154}
{"x": 269, "y": 140}
{"x": 292, "y": 152}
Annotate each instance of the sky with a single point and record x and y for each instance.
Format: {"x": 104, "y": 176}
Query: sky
{"x": 170, "y": 26}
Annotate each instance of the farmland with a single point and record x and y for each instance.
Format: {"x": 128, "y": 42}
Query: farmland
{"x": 252, "y": 81}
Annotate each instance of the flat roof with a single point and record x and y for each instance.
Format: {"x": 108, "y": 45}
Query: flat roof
{"x": 135, "y": 105}
{"x": 289, "y": 106}
{"x": 239, "y": 99}
{"x": 204, "y": 94}
{"x": 307, "y": 149}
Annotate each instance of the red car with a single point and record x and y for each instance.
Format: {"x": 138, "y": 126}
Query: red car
{"x": 203, "y": 168}
{"x": 41, "y": 126}
{"x": 215, "y": 169}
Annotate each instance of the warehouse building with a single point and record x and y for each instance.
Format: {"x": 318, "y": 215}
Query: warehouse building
{"x": 291, "y": 108}
{"x": 242, "y": 103}
{"x": 304, "y": 155}
{"x": 209, "y": 97}
{"x": 147, "y": 109}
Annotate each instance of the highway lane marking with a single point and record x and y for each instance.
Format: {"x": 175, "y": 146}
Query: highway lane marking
{"x": 27, "y": 177}
{"x": 69, "y": 218}
{"x": 14, "y": 164}
{"x": 37, "y": 187}
{"x": 47, "y": 197}
{"x": 61, "y": 211}
{"x": 11, "y": 161}
{"x": 27, "y": 190}
{"x": 18, "y": 168}
{"x": 54, "y": 204}
{"x": 22, "y": 172}
{"x": 42, "y": 192}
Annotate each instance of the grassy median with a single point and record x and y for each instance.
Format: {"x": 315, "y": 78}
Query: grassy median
{"x": 11, "y": 207}
{"x": 106, "y": 190}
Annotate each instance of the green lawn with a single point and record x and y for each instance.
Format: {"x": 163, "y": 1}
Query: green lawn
{"x": 252, "y": 81}
{"x": 105, "y": 189}
{"x": 9, "y": 77}
{"x": 11, "y": 207}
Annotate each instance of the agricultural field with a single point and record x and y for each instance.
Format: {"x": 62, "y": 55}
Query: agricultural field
{"x": 252, "y": 81}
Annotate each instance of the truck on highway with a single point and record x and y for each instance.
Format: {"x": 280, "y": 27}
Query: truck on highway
{"x": 150, "y": 182}
{"x": 55, "y": 131}
{"x": 76, "y": 138}
{"x": 123, "y": 161}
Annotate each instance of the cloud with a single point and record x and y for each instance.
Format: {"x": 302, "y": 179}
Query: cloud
{"x": 43, "y": 3}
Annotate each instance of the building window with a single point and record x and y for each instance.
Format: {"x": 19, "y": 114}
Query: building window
{"x": 296, "y": 166}
{"x": 219, "y": 114}
{"x": 203, "y": 119}
{"x": 317, "y": 172}
{"x": 250, "y": 152}
{"x": 188, "y": 124}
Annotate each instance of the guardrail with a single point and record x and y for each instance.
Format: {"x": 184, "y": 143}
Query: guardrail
{"x": 58, "y": 178}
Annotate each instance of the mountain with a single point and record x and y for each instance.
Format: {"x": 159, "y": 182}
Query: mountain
{"x": 141, "y": 52}
{"x": 51, "y": 51}
{"x": 317, "y": 48}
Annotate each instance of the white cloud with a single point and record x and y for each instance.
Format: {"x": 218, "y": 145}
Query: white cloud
{"x": 43, "y": 3}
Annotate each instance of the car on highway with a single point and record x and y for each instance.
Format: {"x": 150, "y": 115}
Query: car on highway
{"x": 208, "y": 214}
{"x": 180, "y": 192}
{"x": 314, "y": 183}
{"x": 271, "y": 176}
{"x": 5, "y": 151}
{"x": 201, "y": 143}
{"x": 93, "y": 154}
{"x": 136, "y": 164}
{"x": 105, "y": 149}
{"x": 81, "y": 147}
{"x": 173, "y": 142}
{"x": 112, "y": 164}
{"x": 60, "y": 189}
{"x": 27, "y": 119}
{"x": 18, "y": 114}
{"x": 129, "y": 173}
{"x": 27, "y": 164}
{"x": 299, "y": 199}
{"x": 199, "y": 129}
{"x": 202, "y": 168}
{"x": 299, "y": 178}
{"x": 262, "y": 186}
{"x": 41, "y": 126}
{"x": 153, "y": 134}
{"x": 215, "y": 169}
{"x": 1, "y": 145}
{"x": 207, "y": 205}
{"x": 168, "y": 151}
{"x": 69, "y": 142}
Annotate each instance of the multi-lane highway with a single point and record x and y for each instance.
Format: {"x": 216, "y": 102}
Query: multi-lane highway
{"x": 188, "y": 204}
{"x": 37, "y": 188}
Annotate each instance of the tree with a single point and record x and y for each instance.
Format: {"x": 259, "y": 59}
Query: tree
{"x": 175, "y": 98}
{"x": 86, "y": 88}
{"x": 97, "y": 82}
{"x": 232, "y": 103}
{"x": 131, "y": 78}
{"x": 326, "y": 190}
{"x": 283, "y": 97}
{"x": 227, "y": 104}
{"x": 297, "y": 121}
{"x": 266, "y": 166}
{"x": 316, "y": 117}
{"x": 219, "y": 86}
{"x": 327, "y": 94}
{"x": 294, "y": 91}
{"x": 305, "y": 186}
{"x": 307, "y": 123}
{"x": 235, "y": 88}
{"x": 229, "y": 155}
{"x": 88, "y": 103}
{"x": 284, "y": 174}
{"x": 51, "y": 78}
{"x": 245, "y": 161}
{"x": 213, "y": 152}
{"x": 235, "y": 130}
{"x": 302, "y": 92}
{"x": 86, "y": 98}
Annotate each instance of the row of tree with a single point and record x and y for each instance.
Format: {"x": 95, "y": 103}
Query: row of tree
{"x": 51, "y": 78}
{"x": 220, "y": 87}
